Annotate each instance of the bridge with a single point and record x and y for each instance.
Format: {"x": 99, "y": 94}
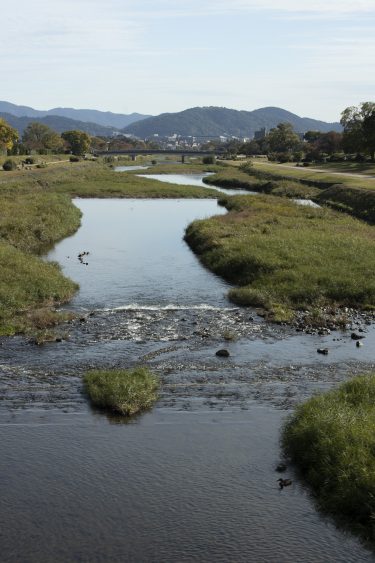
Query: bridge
{"x": 176, "y": 152}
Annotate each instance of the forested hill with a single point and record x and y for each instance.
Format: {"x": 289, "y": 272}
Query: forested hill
{"x": 216, "y": 121}
{"x": 59, "y": 124}
{"x": 105, "y": 118}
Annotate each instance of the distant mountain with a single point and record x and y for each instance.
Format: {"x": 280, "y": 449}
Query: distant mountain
{"x": 105, "y": 118}
{"x": 216, "y": 121}
{"x": 57, "y": 123}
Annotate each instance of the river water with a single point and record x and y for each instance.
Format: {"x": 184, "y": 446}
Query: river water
{"x": 194, "y": 479}
{"x": 192, "y": 180}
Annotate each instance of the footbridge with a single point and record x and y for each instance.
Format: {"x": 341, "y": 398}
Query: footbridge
{"x": 182, "y": 153}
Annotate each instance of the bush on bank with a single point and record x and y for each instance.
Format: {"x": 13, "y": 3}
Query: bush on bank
{"x": 122, "y": 391}
{"x": 331, "y": 439}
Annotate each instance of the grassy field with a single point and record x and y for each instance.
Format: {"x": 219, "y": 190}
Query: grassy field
{"x": 286, "y": 257}
{"x": 124, "y": 392}
{"x": 331, "y": 439}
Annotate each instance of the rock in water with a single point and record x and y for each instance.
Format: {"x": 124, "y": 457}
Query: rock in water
{"x": 223, "y": 353}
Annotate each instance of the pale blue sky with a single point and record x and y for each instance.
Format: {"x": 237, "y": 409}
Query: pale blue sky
{"x": 312, "y": 57}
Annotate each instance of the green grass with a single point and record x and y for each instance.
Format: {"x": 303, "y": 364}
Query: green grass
{"x": 286, "y": 257}
{"x": 95, "y": 179}
{"x": 356, "y": 200}
{"x": 331, "y": 439}
{"x": 312, "y": 175}
{"x": 365, "y": 168}
{"x": 121, "y": 391}
{"x": 28, "y": 283}
{"x": 38, "y": 158}
{"x": 32, "y": 220}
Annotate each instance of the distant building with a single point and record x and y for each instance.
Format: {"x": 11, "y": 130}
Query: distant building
{"x": 260, "y": 134}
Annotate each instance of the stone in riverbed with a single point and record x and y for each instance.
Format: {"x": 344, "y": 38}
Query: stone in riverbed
{"x": 223, "y": 353}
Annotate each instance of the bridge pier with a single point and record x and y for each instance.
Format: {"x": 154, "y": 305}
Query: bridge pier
{"x": 183, "y": 159}
{"x": 134, "y": 157}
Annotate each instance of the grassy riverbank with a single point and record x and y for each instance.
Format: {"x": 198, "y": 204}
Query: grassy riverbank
{"x": 234, "y": 178}
{"x": 32, "y": 220}
{"x": 124, "y": 392}
{"x": 353, "y": 196}
{"x": 95, "y": 179}
{"x": 331, "y": 439}
{"x": 323, "y": 175}
{"x": 286, "y": 257}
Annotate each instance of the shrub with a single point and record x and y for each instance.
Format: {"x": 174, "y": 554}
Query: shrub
{"x": 122, "y": 391}
{"x": 9, "y": 165}
{"x": 247, "y": 166}
{"x": 74, "y": 158}
{"x": 29, "y": 160}
{"x": 209, "y": 159}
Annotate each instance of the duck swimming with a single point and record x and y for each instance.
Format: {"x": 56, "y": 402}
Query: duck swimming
{"x": 284, "y": 483}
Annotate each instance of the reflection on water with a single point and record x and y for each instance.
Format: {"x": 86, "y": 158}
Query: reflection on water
{"x": 197, "y": 180}
{"x": 194, "y": 479}
{"x": 137, "y": 254}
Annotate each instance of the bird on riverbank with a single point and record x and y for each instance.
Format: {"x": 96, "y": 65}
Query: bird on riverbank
{"x": 284, "y": 483}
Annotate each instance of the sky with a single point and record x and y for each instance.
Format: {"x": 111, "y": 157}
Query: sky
{"x": 311, "y": 57}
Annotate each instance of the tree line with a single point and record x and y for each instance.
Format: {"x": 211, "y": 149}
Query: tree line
{"x": 41, "y": 139}
{"x": 281, "y": 143}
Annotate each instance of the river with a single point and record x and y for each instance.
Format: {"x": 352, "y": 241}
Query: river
{"x": 194, "y": 479}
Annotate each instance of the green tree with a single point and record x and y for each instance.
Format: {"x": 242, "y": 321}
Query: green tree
{"x": 38, "y": 136}
{"x": 312, "y": 136}
{"x": 78, "y": 141}
{"x": 283, "y": 139}
{"x": 8, "y": 135}
{"x": 359, "y": 128}
{"x": 321, "y": 145}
